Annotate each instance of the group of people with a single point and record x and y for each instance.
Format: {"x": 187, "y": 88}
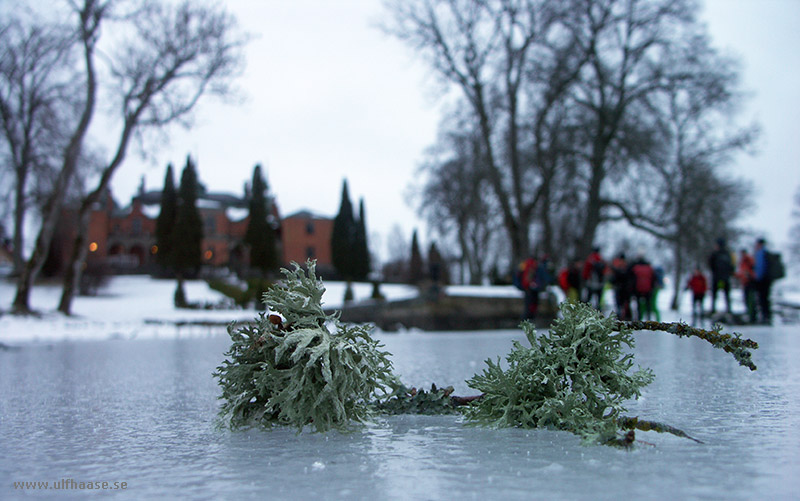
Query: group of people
{"x": 635, "y": 284}
{"x": 753, "y": 273}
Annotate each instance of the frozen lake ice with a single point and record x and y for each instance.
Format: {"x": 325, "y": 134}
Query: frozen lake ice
{"x": 143, "y": 412}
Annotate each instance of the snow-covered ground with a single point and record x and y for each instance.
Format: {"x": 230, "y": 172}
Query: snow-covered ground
{"x": 139, "y": 306}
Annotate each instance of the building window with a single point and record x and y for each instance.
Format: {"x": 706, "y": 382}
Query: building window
{"x": 310, "y": 228}
{"x": 311, "y": 253}
{"x": 137, "y": 227}
{"x": 211, "y": 225}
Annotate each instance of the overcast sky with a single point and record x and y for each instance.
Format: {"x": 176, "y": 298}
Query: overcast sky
{"x": 328, "y": 96}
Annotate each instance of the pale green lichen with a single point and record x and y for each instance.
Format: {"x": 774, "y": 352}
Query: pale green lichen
{"x": 574, "y": 377}
{"x": 298, "y": 366}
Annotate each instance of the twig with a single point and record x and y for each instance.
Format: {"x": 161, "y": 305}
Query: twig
{"x": 732, "y": 343}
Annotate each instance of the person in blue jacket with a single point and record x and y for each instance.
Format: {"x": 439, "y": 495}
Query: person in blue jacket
{"x": 763, "y": 282}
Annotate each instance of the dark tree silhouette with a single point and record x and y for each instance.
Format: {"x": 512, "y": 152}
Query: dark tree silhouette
{"x": 415, "y": 265}
{"x": 260, "y": 235}
{"x": 188, "y": 233}
{"x": 165, "y": 224}
{"x": 343, "y": 237}
{"x": 361, "y": 258}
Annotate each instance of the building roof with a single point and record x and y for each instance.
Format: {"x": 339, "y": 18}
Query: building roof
{"x": 206, "y": 199}
{"x": 306, "y": 214}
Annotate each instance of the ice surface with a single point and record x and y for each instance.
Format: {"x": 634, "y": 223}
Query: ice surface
{"x": 85, "y": 402}
{"x": 143, "y": 411}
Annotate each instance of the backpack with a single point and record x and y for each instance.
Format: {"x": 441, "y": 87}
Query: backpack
{"x": 517, "y": 280}
{"x": 643, "y": 278}
{"x": 722, "y": 264}
{"x": 597, "y": 275}
{"x": 775, "y": 268}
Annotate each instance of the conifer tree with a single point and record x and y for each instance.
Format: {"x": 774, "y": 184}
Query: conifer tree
{"x": 361, "y": 258}
{"x": 415, "y": 271}
{"x": 260, "y": 236}
{"x": 436, "y": 269}
{"x": 343, "y": 237}
{"x": 165, "y": 224}
{"x": 188, "y": 233}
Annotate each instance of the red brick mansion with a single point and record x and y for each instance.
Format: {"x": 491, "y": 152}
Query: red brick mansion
{"x": 123, "y": 238}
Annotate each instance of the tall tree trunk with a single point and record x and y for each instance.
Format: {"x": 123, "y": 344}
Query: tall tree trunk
{"x": 19, "y": 223}
{"x": 74, "y": 269}
{"x": 547, "y": 246}
{"x": 677, "y": 275}
{"x": 72, "y": 273}
{"x": 33, "y": 266}
{"x": 592, "y": 214}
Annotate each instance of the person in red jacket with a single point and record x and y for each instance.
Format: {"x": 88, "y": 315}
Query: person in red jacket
{"x": 698, "y": 285}
{"x": 643, "y": 277}
{"x": 747, "y": 277}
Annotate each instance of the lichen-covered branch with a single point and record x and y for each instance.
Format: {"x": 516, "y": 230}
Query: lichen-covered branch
{"x": 299, "y": 367}
{"x": 734, "y": 343}
{"x": 631, "y": 423}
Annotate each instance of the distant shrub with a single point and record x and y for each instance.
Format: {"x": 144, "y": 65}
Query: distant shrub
{"x": 256, "y": 287}
{"x": 237, "y": 294}
{"x": 94, "y": 277}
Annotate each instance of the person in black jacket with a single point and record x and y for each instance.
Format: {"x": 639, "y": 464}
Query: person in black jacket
{"x": 720, "y": 263}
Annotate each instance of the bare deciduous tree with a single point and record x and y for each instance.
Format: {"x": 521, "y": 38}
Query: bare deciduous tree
{"x": 570, "y": 102}
{"x": 487, "y": 50}
{"x": 624, "y": 42}
{"x": 454, "y": 197}
{"x": 678, "y": 193}
{"x": 36, "y": 89}
{"x": 89, "y": 17}
{"x": 164, "y": 58}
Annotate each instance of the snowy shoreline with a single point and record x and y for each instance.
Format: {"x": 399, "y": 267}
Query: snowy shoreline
{"x": 140, "y": 307}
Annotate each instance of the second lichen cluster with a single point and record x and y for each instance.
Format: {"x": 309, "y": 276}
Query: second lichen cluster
{"x": 576, "y": 377}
